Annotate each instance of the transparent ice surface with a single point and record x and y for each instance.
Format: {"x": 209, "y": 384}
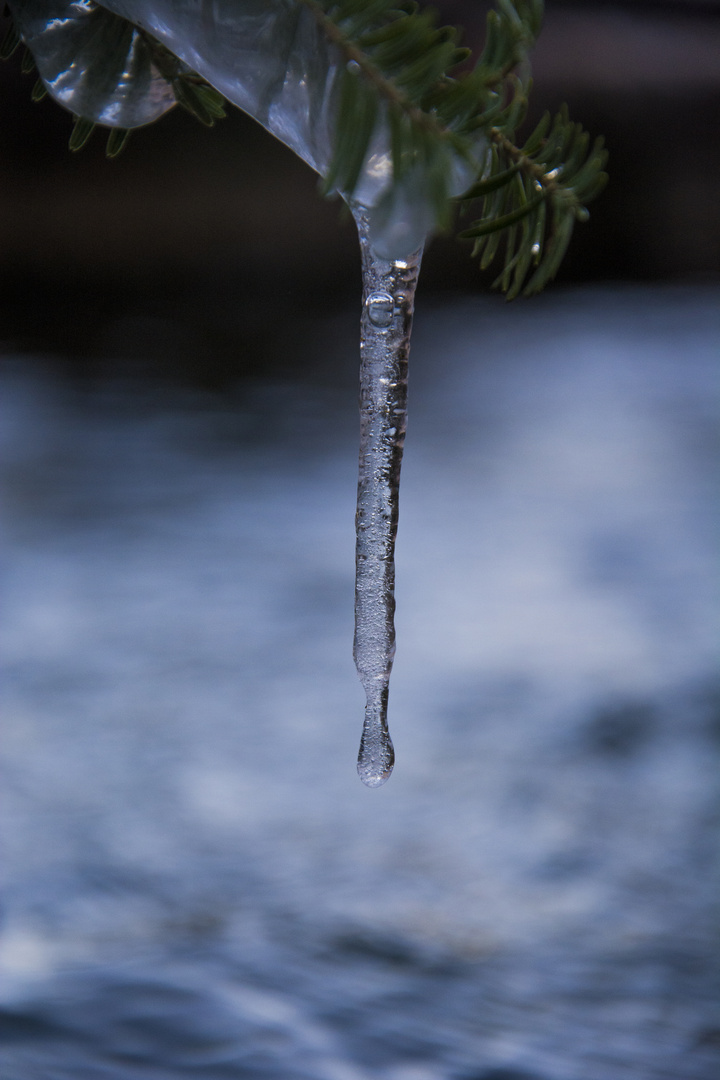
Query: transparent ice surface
{"x": 268, "y": 57}
{"x": 388, "y": 296}
{"x": 92, "y": 63}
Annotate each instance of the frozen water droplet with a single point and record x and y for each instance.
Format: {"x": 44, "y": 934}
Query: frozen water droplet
{"x": 380, "y": 308}
{"x": 377, "y": 755}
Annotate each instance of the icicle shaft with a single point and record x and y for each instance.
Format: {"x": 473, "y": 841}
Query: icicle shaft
{"x": 388, "y": 296}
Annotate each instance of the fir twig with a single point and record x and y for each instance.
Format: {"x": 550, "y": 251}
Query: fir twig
{"x": 399, "y": 71}
{"x": 398, "y": 54}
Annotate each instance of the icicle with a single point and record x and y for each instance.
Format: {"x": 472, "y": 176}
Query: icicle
{"x": 388, "y": 294}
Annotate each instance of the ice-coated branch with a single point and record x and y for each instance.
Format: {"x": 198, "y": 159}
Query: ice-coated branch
{"x": 368, "y": 94}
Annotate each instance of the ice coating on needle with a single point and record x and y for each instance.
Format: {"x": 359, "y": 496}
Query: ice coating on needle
{"x": 388, "y": 296}
{"x": 268, "y": 57}
{"x": 94, "y": 64}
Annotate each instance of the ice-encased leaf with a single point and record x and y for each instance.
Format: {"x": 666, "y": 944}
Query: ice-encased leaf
{"x": 268, "y": 57}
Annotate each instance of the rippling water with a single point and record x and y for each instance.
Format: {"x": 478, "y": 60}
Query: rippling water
{"x": 196, "y": 883}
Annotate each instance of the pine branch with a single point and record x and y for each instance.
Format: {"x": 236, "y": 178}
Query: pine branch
{"x": 397, "y": 81}
{"x": 408, "y": 61}
{"x": 555, "y": 169}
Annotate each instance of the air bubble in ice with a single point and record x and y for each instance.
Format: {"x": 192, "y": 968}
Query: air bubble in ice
{"x": 380, "y": 307}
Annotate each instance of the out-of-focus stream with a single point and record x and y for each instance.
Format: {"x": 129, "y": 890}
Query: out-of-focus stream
{"x": 197, "y": 884}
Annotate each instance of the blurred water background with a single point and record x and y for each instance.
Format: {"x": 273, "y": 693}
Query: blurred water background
{"x": 195, "y": 881}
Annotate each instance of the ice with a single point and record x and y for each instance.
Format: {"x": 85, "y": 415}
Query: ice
{"x": 268, "y": 57}
{"x": 92, "y": 64}
{"x": 388, "y": 296}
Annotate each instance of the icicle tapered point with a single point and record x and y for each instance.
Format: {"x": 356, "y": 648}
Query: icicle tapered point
{"x": 388, "y": 298}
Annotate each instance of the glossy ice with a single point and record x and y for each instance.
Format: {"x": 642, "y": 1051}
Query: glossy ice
{"x": 272, "y": 60}
{"x": 93, "y": 64}
{"x": 268, "y": 57}
{"x": 388, "y": 295}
